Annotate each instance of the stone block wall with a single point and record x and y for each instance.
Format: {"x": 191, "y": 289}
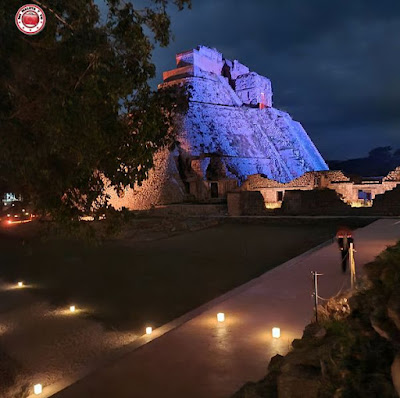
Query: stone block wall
{"x": 393, "y": 175}
{"x": 315, "y": 202}
{"x": 309, "y": 180}
{"x": 321, "y": 193}
{"x": 234, "y": 203}
{"x": 207, "y": 59}
{"x": 219, "y": 124}
{"x": 252, "y": 204}
{"x": 388, "y": 203}
{"x": 164, "y": 185}
{"x": 236, "y": 69}
{"x": 349, "y": 190}
{"x": 250, "y": 88}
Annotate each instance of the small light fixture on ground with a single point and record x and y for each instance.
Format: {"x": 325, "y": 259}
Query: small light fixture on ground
{"x": 221, "y": 317}
{"x": 37, "y": 389}
{"x": 149, "y": 330}
{"x": 276, "y": 333}
{"x": 20, "y": 284}
{"x": 72, "y": 308}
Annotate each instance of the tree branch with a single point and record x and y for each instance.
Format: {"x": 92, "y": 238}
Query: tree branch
{"x": 62, "y": 20}
{"x": 85, "y": 72}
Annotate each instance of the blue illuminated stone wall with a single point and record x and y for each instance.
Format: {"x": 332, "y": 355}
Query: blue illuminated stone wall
{"x": 225, "y": 119}
{"x": 230, "y": 118}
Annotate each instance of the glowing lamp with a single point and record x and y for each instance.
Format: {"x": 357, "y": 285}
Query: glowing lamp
{"x": 149, "y": 330}
{"x": 72, "y": 308}
{"x": 37, "y": 389}
{"x": 276, "y": 333}
{"x": 220, "y": 317}
{"x": 20, "y": 284}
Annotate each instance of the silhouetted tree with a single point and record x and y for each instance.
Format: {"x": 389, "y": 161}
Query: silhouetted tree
{"x": 75, "y": 102}
{"x": 382, "y": 153}
{"x": 380, "y": 161}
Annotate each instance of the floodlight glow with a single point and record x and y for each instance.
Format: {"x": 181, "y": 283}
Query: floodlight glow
{"x": 221, "y": 317}
{"x": 149, "y": 330}
{"x": 276, "y": 333}
{"x": 20, "y": 284}
{"x": 37, "y": 389}
{"x": 72, "y": 308}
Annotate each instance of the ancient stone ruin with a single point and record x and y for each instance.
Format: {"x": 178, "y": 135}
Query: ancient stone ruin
{"x": 317, "y": 192}
{"x": 231, "y": 131}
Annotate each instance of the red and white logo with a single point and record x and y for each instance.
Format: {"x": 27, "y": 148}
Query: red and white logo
{"x": 30, "y": 19}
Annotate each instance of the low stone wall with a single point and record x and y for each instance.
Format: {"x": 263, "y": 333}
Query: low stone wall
{"x": 186, "y": 210}
{"x": 246, "y": 203}
{"x": 393, "y": 175}
{"x": 296, "y": 202}
{"x": 315, "y": 202}
{"x": 388, "y": 203}
{"x": 309, "y": 180}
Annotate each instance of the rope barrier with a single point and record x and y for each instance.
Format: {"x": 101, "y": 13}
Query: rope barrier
{"x": 335, "y": 295}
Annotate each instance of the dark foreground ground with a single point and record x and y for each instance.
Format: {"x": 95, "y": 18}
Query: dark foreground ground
{"x": 131, "y": 283}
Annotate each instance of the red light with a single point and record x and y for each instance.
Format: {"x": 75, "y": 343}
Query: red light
{"x": 18, "y": 222}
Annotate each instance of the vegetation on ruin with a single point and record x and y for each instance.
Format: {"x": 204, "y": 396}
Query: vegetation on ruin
{"x": 75, "y": 101}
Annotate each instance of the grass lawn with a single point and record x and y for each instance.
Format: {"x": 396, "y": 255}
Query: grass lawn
{"x": 128, "y": 285}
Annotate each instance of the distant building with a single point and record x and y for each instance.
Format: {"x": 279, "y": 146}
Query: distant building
{"x": 230, "y": 132}
{"x": 9, "y": 198}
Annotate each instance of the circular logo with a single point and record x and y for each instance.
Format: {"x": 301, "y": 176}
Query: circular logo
{"x": 30, "y": 19}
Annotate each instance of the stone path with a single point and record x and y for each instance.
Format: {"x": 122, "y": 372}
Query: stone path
{"x": 202, "y": 358}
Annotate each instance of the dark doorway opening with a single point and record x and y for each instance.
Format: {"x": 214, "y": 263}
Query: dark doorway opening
{"x": 214, "y": 189}
{"x": 366, "y": 195}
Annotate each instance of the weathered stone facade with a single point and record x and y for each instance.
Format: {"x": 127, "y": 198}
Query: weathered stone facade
{"x": 388, "y": 203}
{"x": 353, "y": 193}
{"x": 231, "y": 131}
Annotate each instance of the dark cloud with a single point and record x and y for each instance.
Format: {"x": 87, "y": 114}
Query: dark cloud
{"x": 334, "y": 65}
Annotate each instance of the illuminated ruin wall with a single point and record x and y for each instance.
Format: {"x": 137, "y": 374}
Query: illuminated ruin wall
{"x": 231, "y": 119}
{"x": 350, "y": 192}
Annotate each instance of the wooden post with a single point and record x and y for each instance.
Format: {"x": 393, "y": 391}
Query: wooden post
{"x": 315, "y": 278}
{"x": 352, "y": 266}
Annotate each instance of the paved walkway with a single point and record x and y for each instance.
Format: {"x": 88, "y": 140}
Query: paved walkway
{"x": 206, "y": 359}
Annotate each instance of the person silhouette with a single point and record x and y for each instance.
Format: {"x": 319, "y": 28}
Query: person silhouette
{"x": 344, "y": 239}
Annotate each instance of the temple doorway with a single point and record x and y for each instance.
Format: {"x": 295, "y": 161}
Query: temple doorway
{"x": 214, "y": 189}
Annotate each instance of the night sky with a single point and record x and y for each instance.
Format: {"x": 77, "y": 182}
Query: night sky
{"x": 334, "y": 65}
